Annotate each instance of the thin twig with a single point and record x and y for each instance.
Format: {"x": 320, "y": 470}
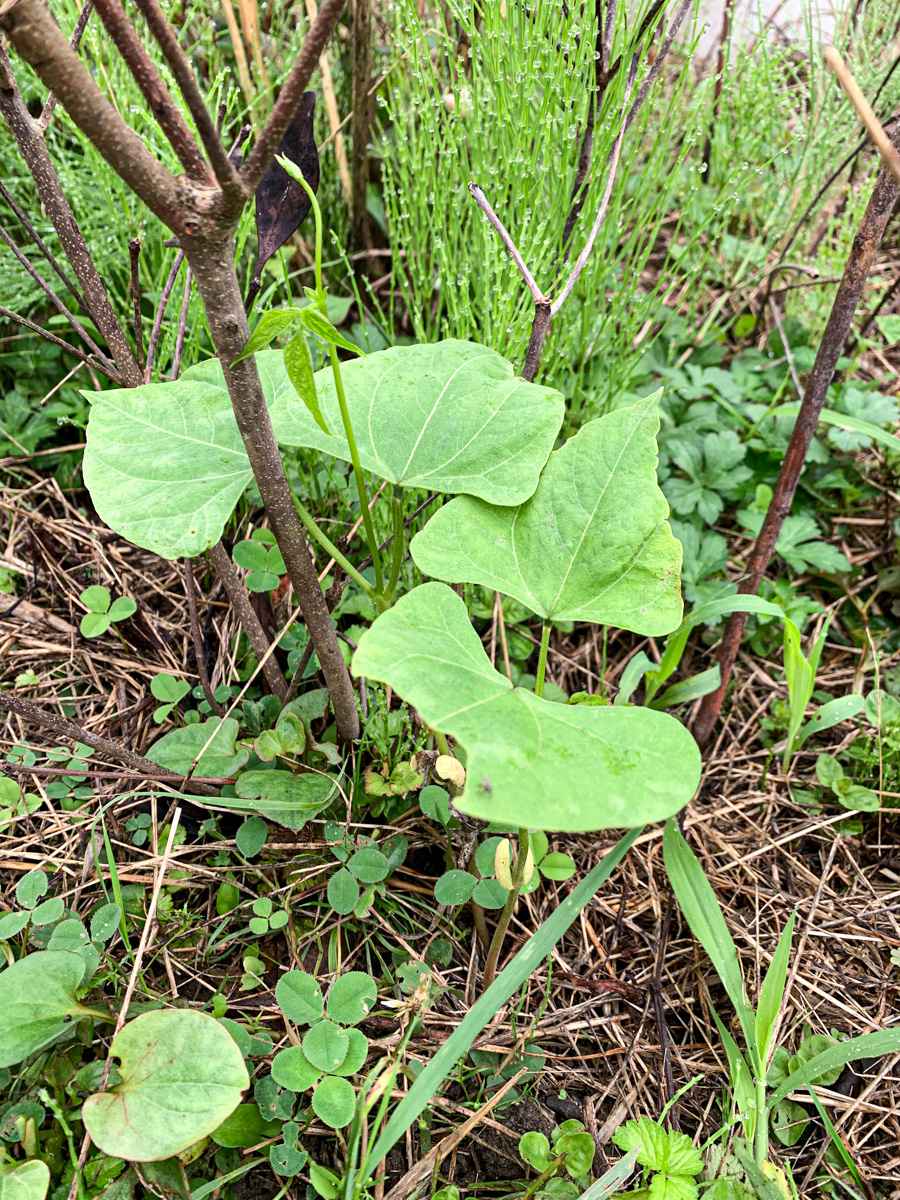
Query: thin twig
{"x": 44, "y": 249}
{"x": 160, "y": 313}
{"x": 70, "y": 349}
{"x": 134, "y": 254}
{"x": 43, "y": 122}
{"x": 604, "y": 204}
{"x": 199, "y": 654}
{"x": 250, "y": 622}
{"x": 77, "y": 733}
{"x": 57, "y": 303}
{"x": 182, "y": 324}
{"x": 481, "y": 200}
{"x": 889, "y": 154}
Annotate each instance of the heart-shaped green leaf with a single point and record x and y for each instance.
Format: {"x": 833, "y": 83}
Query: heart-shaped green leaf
{"x": 530, "y": 761}
{"x": 326, "y": 1045}
{"x": 37, "y": 999}
{"x": 25, "y": 1180}
{"x": 352, "y": 997}
{"x": 450, "y": 417}
{"x": 591, "y": 544}
{"x": 291, "y": 800}
{"x": 165, "y": 463}
{"x": 177, "y": 750}
{"x": 181, "y": 1073}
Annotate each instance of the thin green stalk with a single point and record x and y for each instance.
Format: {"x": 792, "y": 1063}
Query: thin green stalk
{"x": 761, "y": 1138}
{"x": 398, "y": 546}
{"x": 321, "y": 303}
{"x": 493, "y": 954}
{"x": 542, "y": 1179}
{"x": 542, "y": 660}
{"x": 441, "y": 741}
{"x": 327, "y": 544}
{"x": 357, "y": 468}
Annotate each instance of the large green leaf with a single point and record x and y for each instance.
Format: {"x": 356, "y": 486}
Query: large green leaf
{"x": 450, "y": 417}
{"x": 592, "y": 543}
{"x": 223, "y": 756}
{"x": 37, "y": 1000}
{"x": 291, "y": 800}
{"x": 165, "y": 463}
{"x": 182, "y": 1075}
{"x": 27, "y": 1180}
{"x": 530, "y": 761}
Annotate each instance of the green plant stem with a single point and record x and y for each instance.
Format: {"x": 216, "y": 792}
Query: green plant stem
{"x": 761, "y": 1138}
{"x": 441, "y": 742}
{"x": 357, "y": 468}
{"x": 542, "y": 1179}
{"x": 493, "y": 955}
{"x": 542, "y": 659}
{"x": 327, "y": 544}
{"x": 398, "y": 547}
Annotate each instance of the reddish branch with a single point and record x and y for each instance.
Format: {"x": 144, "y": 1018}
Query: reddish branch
{"x": 862, "y": 256}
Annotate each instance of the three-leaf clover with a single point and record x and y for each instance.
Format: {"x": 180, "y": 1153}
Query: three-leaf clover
{"x": 103, "y": 610}
{"x": 264, "y": 919}
{"x": 370, "y": 865}
{"x": 169, "y": 691}
{"x": 851, "y": 795}
{"x": 261, "y": 557}
{"x": 332, "y": 1048}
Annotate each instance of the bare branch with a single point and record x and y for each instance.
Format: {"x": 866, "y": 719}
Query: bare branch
{"x": 167, "y": 40}
{"x": 874, "y": 128}
{"x": 250, "y": 622}
{"x": 36, "y": 157}
{"x": 8, "y": 315}
{"x": 44, "y": 249}
{"x": 36, "y": 36}
{"x": 294, "y": 87}
{"x": 43, "y": 121}
{"x": 604, "y": 204}
{"x": 54, "y": 299}
{"x": 182, "y": 324}
{"x": 481, "y": 200}
{"x": 134, "y": 254}
{"x": 77, "y": 733}
{"x": 160, "y": 313}
{"x": 152, "y": 88}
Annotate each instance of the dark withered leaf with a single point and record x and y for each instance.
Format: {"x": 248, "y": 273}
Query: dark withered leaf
{"x": 281, "y": 203}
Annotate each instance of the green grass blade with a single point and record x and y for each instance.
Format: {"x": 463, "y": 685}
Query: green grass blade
{"x": 842, "y": 421}
{"x": 724, "y": 606}
{"x": 830, "y": 714}
{"x": 607, "y": 1184}
{"x": 836, "y": 1140}
{"x": 870, "y": 1045}
{"x": 486, "y": 1008}
{"x": 772, "y": 993}
{"x": 742, "y": 1085}
{"x": 701, "y": 911}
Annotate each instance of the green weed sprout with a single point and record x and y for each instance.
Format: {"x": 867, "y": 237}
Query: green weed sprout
{"x": 800, "y": 673}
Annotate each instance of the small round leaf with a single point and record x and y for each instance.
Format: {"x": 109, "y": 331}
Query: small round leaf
{"x": 356, "y": 1053}
{"x": 104, "y": 922}
{"x": 96, "y": 598}
{"x": 326, "y": 1045}
{"x": 351, "y": 998}
{"x": 251, "y": 837}
{"x": 343, "y": 892}
{"x": 334, "y": 1102}
{"x": 122, "y": 609}
{"x": 245, "y": 1127}
{"x": 454, "y": 887}
{"x": 94, "y": 624}
{"x": 30, "y": 888}
{"x": 489, "y": 893}
{"x": 300, "y": 998}
{"x": 12, "y": 923}
{"x": 27, "y": 1180}
{"x": 369, "y": 865}
{"x": 557, "y": 866}
{"x": 291, "y": 1069}
{"x": 48, "y": 912}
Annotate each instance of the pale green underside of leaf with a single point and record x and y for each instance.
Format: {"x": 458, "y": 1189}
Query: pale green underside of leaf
{"x": 530, "y": 761}
{"x": 450, "y": 417}
{"x": 165, "y": 463}
{"x": 28, "y": 1180}
{"x": 591, "y": 544}
{"x": 182, "y": 1075}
